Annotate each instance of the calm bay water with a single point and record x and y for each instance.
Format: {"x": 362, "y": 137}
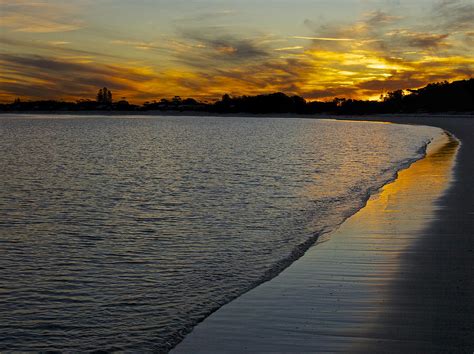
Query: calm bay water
{"x": 123, "y": 232}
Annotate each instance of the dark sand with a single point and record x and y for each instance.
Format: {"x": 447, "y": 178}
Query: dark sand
{"x": 432, "y": 306}
{"x": 396, "y": 276}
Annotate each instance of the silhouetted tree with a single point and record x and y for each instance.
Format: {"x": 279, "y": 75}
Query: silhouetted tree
{"x": 122, "y": 105}
{"x": 226, "y": 98}
{"x": 273, "y": 103}
{"x": 104, "y": 96}
{"x": 100, "y": 96}
{"x": 339, "y": 102}
{"x": 176, "y": 100}
{"x": 190, "y": 102}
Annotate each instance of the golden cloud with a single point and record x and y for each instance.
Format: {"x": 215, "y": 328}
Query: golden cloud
{"x": 359, "y": 60}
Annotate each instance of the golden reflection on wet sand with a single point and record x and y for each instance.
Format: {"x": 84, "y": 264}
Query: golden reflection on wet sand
{"x": 393, "y": 220}
{"x": 400, "y": 200}
{"x": 332, "y": 299}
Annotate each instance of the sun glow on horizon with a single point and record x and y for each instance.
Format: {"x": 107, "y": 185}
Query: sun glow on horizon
{"x": 146, "y": 50}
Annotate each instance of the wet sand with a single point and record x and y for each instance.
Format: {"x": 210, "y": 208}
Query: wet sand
{"x": 397, "y": 275}
{"x": 432, "y": 306}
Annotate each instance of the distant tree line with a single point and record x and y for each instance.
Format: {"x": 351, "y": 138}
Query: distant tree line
{"x": 457, "y": 96}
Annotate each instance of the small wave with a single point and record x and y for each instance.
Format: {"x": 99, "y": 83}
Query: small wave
{"x": 364, "y": 193}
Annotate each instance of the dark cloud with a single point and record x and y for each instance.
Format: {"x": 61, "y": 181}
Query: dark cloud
{"x": 394, "y": 43}
{"x": 240, "y": 49}
{"x": 380, "y": 18}
{"x": 391, "y": 84}
{"x": 224, "y": 46}
{"x": 329, "y": 30}
{"x": 426, "y": 40}
{"x": 465, "y": 71}
{"x": 42, "y": 64}
{"x": 331, "y": 92}
{"x": 407, "y": 80}
{"x": 47, "y": 47}
{"x": 205, "y": 16}
{"x": 36, "y": 65}
{"x": 452, "y": 15}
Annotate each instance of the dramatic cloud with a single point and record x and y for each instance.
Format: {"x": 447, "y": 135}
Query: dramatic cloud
{"x": 454, "y": 15}
{"x": 37, "y": 16}
{"x": 380, "y": 18}
{"x": 224, "y": 46}
{"x": 323, "y": 38}
{"x": 419, "y": 40}
{"x": 148, "y": 50}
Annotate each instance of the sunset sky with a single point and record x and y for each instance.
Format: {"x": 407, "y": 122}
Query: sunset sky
{"x": 150, "y": 49}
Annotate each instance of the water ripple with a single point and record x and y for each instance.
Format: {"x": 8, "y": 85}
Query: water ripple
{"x": 123, "y": 233}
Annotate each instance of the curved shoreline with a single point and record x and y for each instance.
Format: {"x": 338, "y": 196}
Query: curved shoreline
{"x": 199, "y": 341}
{"x": 439, "y": 271}
{"x": 300, "y": 250}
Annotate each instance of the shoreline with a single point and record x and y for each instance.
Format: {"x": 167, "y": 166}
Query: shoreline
{"x": 367, "y": 117}
{"x": 439, "y": 269}
{"x": 382, "y": 336}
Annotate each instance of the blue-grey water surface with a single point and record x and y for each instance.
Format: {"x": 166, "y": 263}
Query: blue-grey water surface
{"x": 120, "y": 233}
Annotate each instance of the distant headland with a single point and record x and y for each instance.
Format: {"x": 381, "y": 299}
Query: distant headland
{"x": 456, "y": 96}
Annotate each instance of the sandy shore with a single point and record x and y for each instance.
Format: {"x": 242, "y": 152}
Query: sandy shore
{"x": 432, "y": 306}
{"x": 398, "y": 275}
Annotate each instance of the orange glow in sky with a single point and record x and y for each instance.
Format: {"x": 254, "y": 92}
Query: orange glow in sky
{"x": 150, "y": 49}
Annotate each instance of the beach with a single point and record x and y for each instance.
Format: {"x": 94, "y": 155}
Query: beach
{"x": 395, "y": 276}
{"x": 431, "y": 307}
